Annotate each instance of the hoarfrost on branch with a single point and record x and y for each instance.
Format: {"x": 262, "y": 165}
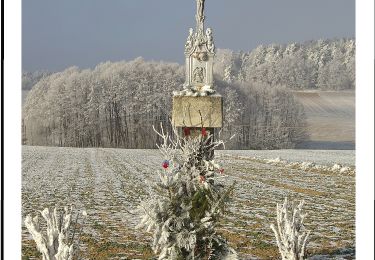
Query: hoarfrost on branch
{"x": 56, "y": 243}
{"x": 290, "y": 235}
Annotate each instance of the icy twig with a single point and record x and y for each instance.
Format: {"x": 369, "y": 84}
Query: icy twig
{"x": 290, "y": 236}
{"x": 54, "y": 244}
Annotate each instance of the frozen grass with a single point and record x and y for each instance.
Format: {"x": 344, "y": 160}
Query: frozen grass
{"x": 108, "y": 183}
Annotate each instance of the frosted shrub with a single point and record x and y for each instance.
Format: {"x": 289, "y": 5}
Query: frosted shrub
{"x": 56, "y": 243}
{"x": 185, "y": 205}
{"x": 290, "y": 235}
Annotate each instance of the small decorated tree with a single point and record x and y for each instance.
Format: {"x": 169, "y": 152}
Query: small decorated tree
{"x": 186, "y": 204}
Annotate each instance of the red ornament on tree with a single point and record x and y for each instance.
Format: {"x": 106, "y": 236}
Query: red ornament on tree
{"x": 187, "y": 131}
{"x": 202, "y": 179}
{"x": 204, "y": 132}
{"x": 165, "y": 164}
{"x": 221, "y": 171}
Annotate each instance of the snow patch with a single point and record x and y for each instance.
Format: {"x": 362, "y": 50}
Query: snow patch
{"x": 306, "y": 166}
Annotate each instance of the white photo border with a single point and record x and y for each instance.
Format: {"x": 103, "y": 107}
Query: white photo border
{"x": 364, "y": 129}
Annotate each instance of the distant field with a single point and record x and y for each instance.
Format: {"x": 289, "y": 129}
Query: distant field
{"x": 109, "y": 183}
{"x": 330, "y": 118}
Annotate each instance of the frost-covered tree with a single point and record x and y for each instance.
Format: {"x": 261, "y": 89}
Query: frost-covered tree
{"x": 29, "y": 79}
{"x": 113, "y": 105}
{"x": 290, "y": 233}
{"x": 228, "y": 77}
{"x": 270, "y": 117}
{"x": 184, "y": 207}
{"x": 322, "y": 64}
{"x": 58, "y": 241}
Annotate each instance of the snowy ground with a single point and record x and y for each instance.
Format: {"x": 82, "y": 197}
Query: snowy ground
{"x": 330, "y": 119}
{"x": 321, "y": 157}
{"x": 108, "y": 183}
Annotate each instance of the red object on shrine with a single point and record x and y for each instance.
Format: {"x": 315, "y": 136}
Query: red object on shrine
{"x": 187, "y": 131}
{"x": 204, "y": 131}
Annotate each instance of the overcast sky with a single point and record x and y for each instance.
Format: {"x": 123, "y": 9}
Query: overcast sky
{"x": 57, "y": 34}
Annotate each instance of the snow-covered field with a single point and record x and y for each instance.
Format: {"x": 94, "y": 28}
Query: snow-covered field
{"x": 321, "y": 157}
{"x": 330, "y": 119}
{"x": 109, "y": 183}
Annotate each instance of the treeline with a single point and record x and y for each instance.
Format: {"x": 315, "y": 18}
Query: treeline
{"x": 29, "y": 79}
{"x": 322, "y": 64}
{"x": 116, "y": 105}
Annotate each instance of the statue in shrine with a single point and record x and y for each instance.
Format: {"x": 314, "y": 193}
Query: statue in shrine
{"x": 190, "y": 40}
{"x": 199, "y": 53}
{"x": 200, "y": 8}
{"x": 210, "y": 40}
{"x": 198, "y": 74}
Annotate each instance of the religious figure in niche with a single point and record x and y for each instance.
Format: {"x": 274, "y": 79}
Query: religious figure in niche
{"x": 198, "y": 75}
